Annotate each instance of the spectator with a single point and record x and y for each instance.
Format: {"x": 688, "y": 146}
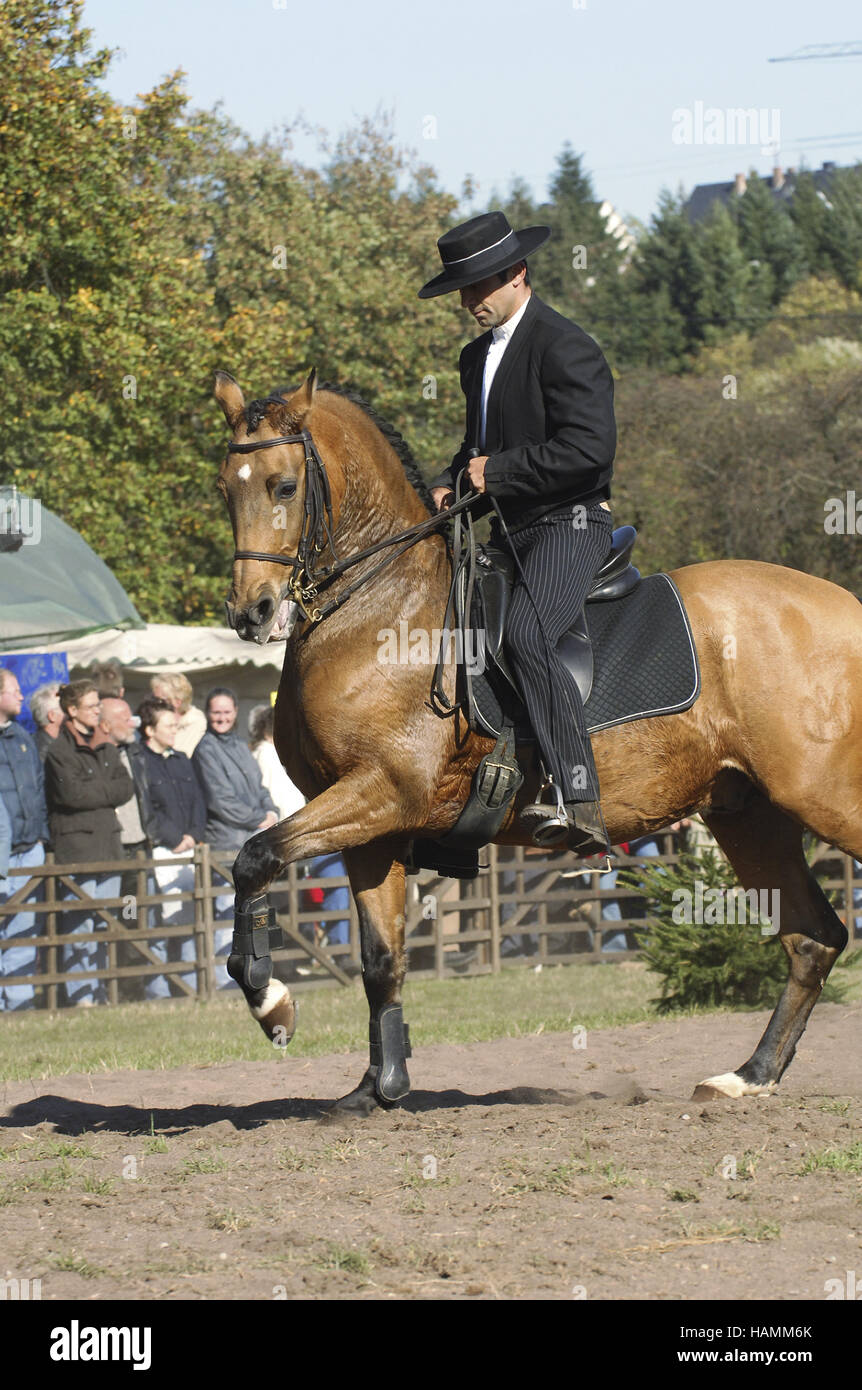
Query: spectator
{"x": 286, "y": 796}
{"x": 5, "y": 839}
{"x": 238, "y": 805}
{"x": 107, "y": 676}
{"x": 178, "y": 820}
{"x": 45, "y": 709}
{"x": 22, "y": 787}
{"x": 117, "y": 725}
{"x": 85, "y": 782}
{"x": 178, "y": 692}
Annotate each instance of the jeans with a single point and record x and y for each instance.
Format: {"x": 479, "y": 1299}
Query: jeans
{"x": 332, "y": 866}
{"x": 172, "y": 874}
{"x": 88, "y": 955}
{"x": 644, "y": 849}
{"x": 20, "y": 960}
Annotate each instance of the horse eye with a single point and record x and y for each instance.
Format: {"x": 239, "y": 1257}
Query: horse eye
{"x": 286, "y": 489}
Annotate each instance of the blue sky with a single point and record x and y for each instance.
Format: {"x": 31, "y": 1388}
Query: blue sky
{"x": 507, "y": 83}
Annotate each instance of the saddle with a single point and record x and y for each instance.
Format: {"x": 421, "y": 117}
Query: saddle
{"x": 493, "y": 581}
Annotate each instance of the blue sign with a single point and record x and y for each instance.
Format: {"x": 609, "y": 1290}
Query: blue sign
{"x": 34, "y": 669}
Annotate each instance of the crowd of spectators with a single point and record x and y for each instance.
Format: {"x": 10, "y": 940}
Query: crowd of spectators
{"x": 99, "y": 785}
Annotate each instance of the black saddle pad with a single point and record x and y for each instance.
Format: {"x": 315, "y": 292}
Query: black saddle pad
{"x": 645, "y": 662}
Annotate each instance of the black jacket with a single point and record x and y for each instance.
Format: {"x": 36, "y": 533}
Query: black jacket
{"x": 83, "y": 785}
{"x": 550, "y": 430}
{"x": 177, "y": 802}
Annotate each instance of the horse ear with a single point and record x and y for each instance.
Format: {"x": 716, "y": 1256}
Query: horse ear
{"x": 229, "y": 397}
{"x": 304, "y": 398}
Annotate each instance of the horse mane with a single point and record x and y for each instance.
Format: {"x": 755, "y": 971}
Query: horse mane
{"x": 256, "y": 410}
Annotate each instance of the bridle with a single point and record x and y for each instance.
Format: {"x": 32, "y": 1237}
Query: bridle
{"x": 305, "y": 583}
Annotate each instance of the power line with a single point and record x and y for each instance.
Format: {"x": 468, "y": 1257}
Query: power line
{"x": 813, "y": 51}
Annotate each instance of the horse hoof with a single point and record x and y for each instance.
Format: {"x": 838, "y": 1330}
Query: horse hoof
{"x": 276, "y": 1013}
{"x": 730, "y": 1086}
{"x": 364, "y": 1099}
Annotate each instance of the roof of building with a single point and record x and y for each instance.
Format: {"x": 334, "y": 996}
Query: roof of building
{"x": 781, "y": 183}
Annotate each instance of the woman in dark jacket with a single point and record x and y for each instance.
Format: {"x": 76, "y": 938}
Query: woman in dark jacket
{"x": 177, "y": 825}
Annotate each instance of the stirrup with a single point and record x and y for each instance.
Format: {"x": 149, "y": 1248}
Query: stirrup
{"x": 548, "y": 822}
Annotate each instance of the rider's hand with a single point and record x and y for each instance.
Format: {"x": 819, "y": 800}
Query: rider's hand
{"x": 442, "y": 497}
{"x": 476, "y": 472}
{"x": 271, "y": 819}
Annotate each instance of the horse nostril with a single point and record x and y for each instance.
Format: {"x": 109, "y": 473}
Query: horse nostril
{"x": 260, "y": 613}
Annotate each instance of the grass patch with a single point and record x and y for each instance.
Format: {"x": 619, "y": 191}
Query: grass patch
{"x": 75, "y": 1264}
{"x": 203, "y": 1165}
{"x": 292, "y": 1161}
{"x": 228, "y": 1221}
{"x": 100, "y": 1187}
{"x": 340, "y": 1257}
{"x": 159, "y": 1037}
{"x": 835, "y": 1160}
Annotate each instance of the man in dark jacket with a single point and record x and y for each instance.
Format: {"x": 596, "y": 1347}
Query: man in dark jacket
{"x": 84, "y": 784}
{"x": 238, "y": 804}
{"x": 22, "y": 787}
{"x": 177, "y": 824}
{"x": 539, "y": 441}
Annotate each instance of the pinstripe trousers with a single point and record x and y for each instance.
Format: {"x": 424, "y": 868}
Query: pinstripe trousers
{"x": 560, "y": 555}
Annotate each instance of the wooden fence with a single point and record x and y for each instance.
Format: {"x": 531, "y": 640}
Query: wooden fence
{"x": 530, "y": 909}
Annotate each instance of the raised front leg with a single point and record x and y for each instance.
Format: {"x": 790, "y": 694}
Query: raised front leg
{"x": 354, "y": 811}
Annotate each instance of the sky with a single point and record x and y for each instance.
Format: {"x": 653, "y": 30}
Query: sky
{"x": 492, "y": 89}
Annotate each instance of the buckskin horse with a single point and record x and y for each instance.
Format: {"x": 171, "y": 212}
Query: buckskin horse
{"x": 772, "y": 745}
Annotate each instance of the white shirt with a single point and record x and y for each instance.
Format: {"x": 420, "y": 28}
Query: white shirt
{"x": 286, "y": 796}
{"x": 500, "y": 337}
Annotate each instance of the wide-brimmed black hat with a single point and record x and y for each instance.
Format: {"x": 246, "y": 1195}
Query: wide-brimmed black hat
{"x": 483, "y": 246}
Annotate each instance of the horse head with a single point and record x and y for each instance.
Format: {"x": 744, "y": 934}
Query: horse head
{"x": 278, "y": 496}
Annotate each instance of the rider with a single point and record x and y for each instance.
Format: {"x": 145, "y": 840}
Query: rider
{"x": 540, "y": 422}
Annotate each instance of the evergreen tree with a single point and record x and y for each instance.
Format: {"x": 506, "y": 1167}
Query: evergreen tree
{"x": 770, "y": 241}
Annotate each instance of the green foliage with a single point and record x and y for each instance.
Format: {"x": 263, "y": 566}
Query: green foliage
{"x": 702, "y": 964}
{"x": 146, "y": 246}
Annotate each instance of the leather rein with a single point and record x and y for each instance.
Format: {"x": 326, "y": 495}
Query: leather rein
{"x": 317, "y": 536}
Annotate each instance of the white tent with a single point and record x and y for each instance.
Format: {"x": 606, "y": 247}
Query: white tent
{"x": 208, "y": 656}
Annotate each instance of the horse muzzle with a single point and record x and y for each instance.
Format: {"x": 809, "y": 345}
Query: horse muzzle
{"x": 265, "y": 620}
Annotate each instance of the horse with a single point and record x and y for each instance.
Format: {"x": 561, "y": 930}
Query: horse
{"x": 771, "y": 746}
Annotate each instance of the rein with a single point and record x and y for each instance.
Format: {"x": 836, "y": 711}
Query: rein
{"x": 317, "y": 534}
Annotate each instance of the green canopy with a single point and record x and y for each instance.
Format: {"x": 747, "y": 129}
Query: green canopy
{"x": 52, "y": 585}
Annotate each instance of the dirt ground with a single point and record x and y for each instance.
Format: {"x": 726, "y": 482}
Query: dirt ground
{"x": 523, "y": 1168}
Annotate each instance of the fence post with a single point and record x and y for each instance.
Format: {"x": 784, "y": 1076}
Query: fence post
{"x": 494, "y": 911}
{"x": 51, "y": 951}
{"x": 207, "y": 923}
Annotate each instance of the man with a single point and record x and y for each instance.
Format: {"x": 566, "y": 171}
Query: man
{"x": 22, "y": 787}
{"x": 238, "y": 804}
{"x": 47, "y": 715}
{"x": 117, "y": 726}
{"x": 539, "y": 442}
{"x": 84, "y": 784}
